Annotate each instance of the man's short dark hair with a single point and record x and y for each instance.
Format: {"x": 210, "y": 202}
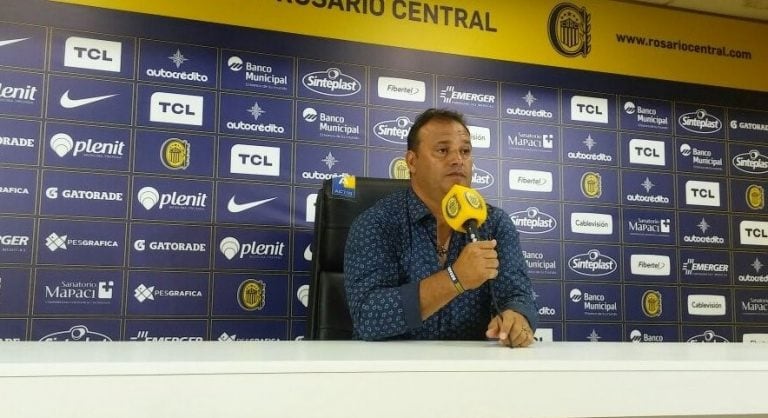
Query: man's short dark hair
{"x": 428, "y": 115}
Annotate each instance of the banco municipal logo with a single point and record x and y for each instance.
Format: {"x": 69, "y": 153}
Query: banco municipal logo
{"x": 569, "y": 30}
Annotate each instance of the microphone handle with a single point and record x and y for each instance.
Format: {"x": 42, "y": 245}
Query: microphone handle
{"x": 471, "y": 227}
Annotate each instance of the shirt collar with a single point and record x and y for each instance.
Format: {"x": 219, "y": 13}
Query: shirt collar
{"x": 417, "y": 210}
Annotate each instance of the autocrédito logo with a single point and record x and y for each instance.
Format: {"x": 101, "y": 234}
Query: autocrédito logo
{"x": 177, "y": 59}
{"x": 256, "y": 111}
{"x": 703, "y": 238}
{"x": 756, "y": 275}
{"x": 647, "y": 184}
{"x": 529, "y": 112}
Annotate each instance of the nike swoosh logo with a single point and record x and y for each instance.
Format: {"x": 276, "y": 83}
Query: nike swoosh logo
{"x": 234, "y": 207}
{"x": 12, "y": 41}
{"x": 68, "y": 103}
{"x": 308, "y": 253}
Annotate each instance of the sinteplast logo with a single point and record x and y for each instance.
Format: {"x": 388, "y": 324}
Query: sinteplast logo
{"x": 569, "y": 29}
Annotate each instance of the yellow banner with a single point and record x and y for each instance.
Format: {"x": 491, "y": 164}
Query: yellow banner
{"x": 594, "y": 35}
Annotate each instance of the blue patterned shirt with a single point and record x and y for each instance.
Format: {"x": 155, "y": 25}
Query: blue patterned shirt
{"x": 391, "y": 247}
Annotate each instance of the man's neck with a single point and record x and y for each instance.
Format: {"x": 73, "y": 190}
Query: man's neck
{"x": 434, "y": 204}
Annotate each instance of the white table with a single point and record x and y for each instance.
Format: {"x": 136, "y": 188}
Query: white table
{"x": 392, "y": 379}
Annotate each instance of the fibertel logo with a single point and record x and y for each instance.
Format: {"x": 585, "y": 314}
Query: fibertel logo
{"x": 569, "y": 28}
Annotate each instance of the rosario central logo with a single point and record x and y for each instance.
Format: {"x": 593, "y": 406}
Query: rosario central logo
{"x": 569, "y": 28}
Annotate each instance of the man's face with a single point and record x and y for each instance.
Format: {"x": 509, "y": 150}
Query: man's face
{"x": 443, "y": 157}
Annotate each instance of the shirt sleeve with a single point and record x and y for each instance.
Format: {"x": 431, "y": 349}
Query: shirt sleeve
{"x": 512, "y": 289}
{"x": 380, "y": 306}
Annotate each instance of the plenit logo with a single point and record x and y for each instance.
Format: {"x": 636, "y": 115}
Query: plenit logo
{"x": 569, "y": 28}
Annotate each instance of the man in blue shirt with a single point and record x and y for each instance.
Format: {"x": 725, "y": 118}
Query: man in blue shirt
{"x": 408, "y": 275}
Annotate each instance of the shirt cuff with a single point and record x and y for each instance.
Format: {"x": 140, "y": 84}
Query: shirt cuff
{"x": 409, "y": 295}
{"x": 528, "y": 312}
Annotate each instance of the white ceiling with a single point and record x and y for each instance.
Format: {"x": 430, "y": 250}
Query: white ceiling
{"x": 742, "y": 9}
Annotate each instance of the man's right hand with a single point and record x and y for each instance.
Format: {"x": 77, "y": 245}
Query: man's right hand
{"x": 477, "y": 263}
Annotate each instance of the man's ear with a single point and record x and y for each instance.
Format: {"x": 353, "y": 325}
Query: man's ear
{"x": 410, "y": 158}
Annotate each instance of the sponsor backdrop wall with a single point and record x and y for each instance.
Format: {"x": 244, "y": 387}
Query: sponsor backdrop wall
{"x": 158, "y": 174}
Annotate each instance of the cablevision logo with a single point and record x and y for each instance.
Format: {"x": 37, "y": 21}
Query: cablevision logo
{"x": 569, "y": 30}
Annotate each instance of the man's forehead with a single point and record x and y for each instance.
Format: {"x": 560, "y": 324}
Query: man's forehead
{"x": 445, "y": 127}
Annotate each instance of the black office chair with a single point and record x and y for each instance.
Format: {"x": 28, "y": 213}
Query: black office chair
{"x": 328, "y": 314}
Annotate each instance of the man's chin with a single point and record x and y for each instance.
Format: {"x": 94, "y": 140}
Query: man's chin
{"x": 461, "y": 180}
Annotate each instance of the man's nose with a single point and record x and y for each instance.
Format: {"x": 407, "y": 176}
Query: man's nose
{"x": 458, "y": 157}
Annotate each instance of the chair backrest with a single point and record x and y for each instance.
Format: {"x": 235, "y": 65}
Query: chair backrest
{"x": 328, "y": 314}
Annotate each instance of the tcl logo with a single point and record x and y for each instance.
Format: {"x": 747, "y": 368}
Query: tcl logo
{"x": 753, "y": 233}
{"x": 254, "y": 159}
{"x": 179, "y": 109}
{"x": 589, "y": 109}
{"x": 702, "y": 193}
{"x": 93, "y": 54}
{"x": 644, "y": 151}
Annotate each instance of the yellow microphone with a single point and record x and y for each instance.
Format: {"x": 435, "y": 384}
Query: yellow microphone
{"x": 464, "y": 209}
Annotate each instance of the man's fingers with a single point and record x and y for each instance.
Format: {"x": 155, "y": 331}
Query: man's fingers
{"x": 493, "y": 328}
